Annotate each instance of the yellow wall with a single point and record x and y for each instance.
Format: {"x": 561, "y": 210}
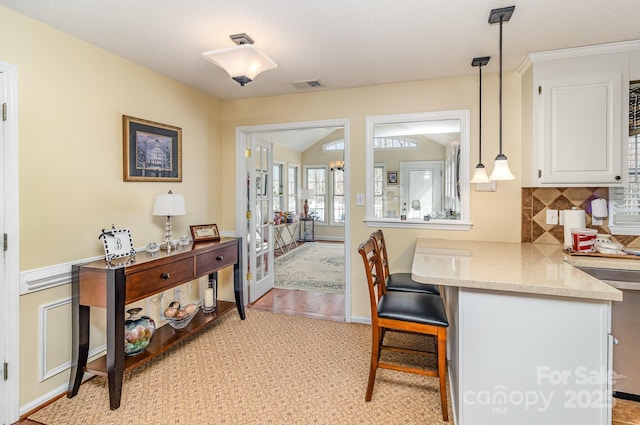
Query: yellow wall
{"x": 496, "y": 215}
{"x": 72, "y": 96}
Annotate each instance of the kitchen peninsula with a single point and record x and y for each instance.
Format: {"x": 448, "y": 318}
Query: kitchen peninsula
{"x": 529, "y": 339}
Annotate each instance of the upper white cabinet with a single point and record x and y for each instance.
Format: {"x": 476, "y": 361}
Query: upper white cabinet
{"x": 580, "y": 115}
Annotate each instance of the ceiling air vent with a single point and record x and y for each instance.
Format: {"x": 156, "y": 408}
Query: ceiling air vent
{"x": 307, "y": 84}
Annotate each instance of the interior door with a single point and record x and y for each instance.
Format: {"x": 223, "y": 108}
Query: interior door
{"x": 260, "y": 217}
{"x": 421, "y": 189}
{"x": 4, "y": 323}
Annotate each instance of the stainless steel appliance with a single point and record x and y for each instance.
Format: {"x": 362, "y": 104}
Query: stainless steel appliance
{"x": 625, "y": 327}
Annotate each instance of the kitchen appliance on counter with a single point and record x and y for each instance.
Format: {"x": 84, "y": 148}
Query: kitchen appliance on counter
{"x": 625, "y": 327}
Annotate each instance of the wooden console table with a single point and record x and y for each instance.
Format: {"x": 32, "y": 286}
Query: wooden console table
{"x": 112, "y": 287}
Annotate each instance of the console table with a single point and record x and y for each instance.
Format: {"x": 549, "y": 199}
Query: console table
{"x": 279, "y": 240}
{"x": 112, "y": 287}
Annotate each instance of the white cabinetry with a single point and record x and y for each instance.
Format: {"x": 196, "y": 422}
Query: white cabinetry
{"x": 579, "y": 114}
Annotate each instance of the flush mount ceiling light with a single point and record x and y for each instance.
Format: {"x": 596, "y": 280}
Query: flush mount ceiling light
{"x": 244, "y": 62}
{"x": 501, "y": 169}
{"x": 480, "y": 174}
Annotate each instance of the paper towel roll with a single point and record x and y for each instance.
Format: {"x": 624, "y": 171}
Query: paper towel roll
{"x": 572, "y": 219}
{"x": 599, "y": 208}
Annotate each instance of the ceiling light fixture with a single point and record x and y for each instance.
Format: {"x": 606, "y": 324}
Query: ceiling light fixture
{"x": 244, "y": 62}
{"x": 480, "y": 174}
{"x": 336, "y": 165}
{"x": 501, "y": 169}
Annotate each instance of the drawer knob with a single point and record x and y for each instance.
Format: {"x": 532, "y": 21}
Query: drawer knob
{"x": 165, "y": 276}
{"x": 220, "y": 258}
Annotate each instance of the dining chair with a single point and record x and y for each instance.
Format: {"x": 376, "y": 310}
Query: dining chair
{"x": 411, "y": 312}
{"x": 401, "y": 282}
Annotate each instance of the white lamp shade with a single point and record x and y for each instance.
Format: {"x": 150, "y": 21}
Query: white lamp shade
{"x": 501, "y": 169}
{"x": 169, "y": 205}
{"x": 480, "y": 175}
{"x": 241, "y": 61}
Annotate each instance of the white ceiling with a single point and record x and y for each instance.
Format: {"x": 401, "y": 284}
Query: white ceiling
{"x": 342, "y": 43}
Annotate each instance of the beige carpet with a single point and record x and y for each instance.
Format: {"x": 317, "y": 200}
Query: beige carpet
{"x": 269, "y": 369}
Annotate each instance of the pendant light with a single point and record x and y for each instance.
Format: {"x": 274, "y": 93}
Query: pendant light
{"x": 501, "y": 169}
{"x": 480, "y": 174}
{"x": 244, "y": 62}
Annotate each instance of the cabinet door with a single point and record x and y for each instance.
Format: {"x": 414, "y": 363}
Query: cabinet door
{"x": 581, "y": 130}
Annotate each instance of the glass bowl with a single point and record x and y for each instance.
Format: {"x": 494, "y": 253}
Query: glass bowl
{"x": 180, "y": 322}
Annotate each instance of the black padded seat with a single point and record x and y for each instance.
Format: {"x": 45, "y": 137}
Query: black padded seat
{"x": 402, "y": 282}
{"x": 426, "y": 309}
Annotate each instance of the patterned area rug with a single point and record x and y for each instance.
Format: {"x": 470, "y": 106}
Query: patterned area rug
{"x": 270, "y": 369}
{"x": 314, "y": 266}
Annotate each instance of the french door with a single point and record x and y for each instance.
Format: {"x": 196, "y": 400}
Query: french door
{"x": 259, "y": 217}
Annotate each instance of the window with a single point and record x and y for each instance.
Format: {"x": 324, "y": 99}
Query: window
{"x": 316, "y": 177}
{"x": 277, "y": 188}
{"x": 378, "y": 191}
{"x": 417, "y": 170}
{"x": 625, "y": 201}
{"x": 292, "y": 189}
{"x": 337, "y": 178}
{"x": 336, "y": 145}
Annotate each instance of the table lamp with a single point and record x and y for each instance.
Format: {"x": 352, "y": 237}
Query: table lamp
{"x": 168, "y": 205}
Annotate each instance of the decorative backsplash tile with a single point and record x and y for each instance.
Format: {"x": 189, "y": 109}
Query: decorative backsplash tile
{"x": 537, "y": 200}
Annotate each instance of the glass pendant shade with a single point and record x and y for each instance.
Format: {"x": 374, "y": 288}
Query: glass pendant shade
{"x": 243, "y": 63}
{"x": 480, "y": 175}
{"x": 501, "y": 169}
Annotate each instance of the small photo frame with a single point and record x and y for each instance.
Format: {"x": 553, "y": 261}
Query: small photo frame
{"x": 151, "y": 151}
{"x": 204, "y": 232}
{"x": 392, "y": 177}
{"x": 117, "y": 244}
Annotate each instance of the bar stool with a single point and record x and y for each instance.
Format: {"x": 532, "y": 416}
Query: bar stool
{"x": 401, "y": 282}
{"x": 412, "y": 312}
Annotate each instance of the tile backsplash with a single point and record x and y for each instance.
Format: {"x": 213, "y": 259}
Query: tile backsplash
{"x": 537, "y": 200}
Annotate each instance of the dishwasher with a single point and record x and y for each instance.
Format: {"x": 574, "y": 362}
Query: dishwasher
{"x": 625, "y": 327}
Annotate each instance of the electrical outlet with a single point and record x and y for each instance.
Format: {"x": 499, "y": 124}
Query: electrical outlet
{"x": 552, "y": 216}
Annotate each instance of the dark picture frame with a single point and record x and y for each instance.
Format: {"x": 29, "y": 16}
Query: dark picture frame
{"x": 151, "y": 151}
{"x": 392, "y": 177}
{"x": 204, "y": 232}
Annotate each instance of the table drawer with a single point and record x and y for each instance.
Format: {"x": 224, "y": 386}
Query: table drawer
{"x": 144, "y": 283}
{"x": 216, "y": 260}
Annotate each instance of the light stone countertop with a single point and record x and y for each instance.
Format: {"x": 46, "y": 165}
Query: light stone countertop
{"x": 507, "y": 266}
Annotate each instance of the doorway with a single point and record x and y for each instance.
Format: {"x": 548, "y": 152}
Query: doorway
{"x": 281, "y": 135}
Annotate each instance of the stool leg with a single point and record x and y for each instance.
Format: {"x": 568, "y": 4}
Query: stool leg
{"x": 376, "y": 336}
{"x": 442, "y": 371}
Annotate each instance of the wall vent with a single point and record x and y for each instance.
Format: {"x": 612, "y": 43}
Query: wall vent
{"x": 307, "y": 84}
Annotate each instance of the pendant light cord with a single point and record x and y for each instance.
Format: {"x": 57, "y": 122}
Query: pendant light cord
{"x": 480, "y": 116}
{"x": 501, "y": 18}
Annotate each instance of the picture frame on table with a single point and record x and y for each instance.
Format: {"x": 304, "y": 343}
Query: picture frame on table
{"x": 204, "y": 232}
{"x": 117, "y": 243}
{"x": 151, "y": 151}
{"x": 392, "y": 177}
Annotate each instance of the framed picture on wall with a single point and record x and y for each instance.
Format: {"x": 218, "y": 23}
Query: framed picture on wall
{"x": 151, "y": 151}
{"x": 392, "y": 177}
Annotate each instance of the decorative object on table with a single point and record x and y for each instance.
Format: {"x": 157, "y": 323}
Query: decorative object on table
{"x": 138, "y": 331}
{"x": 169, "y": 205}
{"x": 583, "y": 240}
{"x": 185, "y": 240}
{"x": 152, "y": 247}
{"x": 392, "y": 177}
{"x": 204, "y": 232}
{"x": 210, "y": 296}
{"x": 117, "y": 244}
{"x": 152, "y": 151}
{"x": 179, "y": 316}
{"x": 244, "y": 62}
{"x": 306, "y": 194}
